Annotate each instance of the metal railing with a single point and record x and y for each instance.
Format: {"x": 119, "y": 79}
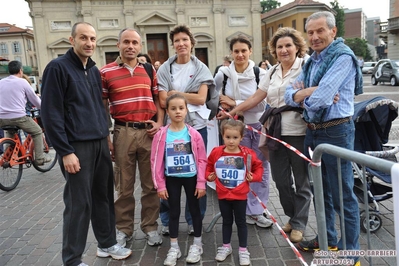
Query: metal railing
{"x": 363, "y": 160}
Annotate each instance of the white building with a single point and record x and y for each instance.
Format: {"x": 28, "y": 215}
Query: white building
{"x": 213, "y": 23}
{"x": 17, "y": 44}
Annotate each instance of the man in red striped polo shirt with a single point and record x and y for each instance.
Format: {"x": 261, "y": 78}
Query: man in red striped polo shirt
{"x": 132, "y": 98}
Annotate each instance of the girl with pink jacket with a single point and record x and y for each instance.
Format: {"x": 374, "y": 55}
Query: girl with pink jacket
{"x": 178, "y": 159}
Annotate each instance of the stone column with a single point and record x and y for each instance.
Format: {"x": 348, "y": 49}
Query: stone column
{"x": 38, "y": 22}
{"x": 128, "y": 11}
{"x": 256, "y": 10}
{"x": 220, "y": 38}
{"x": 180, "y": 12}
{"x": 86, "y": 12}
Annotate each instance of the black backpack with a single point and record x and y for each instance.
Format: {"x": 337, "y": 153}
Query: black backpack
{"x": 148, "y": 69}
{"x": 212, "y": 102}
{"x": 256, "y": 72}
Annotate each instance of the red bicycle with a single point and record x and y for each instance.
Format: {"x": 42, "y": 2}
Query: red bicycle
{"x": 14, "y": 154}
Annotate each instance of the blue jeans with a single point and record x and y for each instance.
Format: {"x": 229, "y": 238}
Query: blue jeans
{"x": 343, "y": 136}
{"x": 164, "y": 209}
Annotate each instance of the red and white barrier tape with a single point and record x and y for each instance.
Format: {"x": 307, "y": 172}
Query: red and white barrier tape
{"x": 292, "y": 148}
{"x": 298, "y": 255}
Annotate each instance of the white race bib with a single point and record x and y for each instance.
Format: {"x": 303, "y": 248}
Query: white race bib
{"x": 230, "y": 170}
{"x": 179, "y": 159}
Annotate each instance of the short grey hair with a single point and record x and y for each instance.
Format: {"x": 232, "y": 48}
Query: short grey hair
{"x": 127, "y": 29}
{"x": 330, "y": 19}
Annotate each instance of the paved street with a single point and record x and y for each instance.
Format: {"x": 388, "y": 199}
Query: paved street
{"x": 385, "y": 90}
{"x": 31, "y": 227}
{"x": 31, "y": 224}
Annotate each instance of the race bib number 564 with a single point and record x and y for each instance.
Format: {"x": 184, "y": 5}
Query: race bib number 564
{"x": 179, "y": 159}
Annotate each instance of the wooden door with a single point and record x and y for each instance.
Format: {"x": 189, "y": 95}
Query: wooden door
{"x": 157, "y": 47}
{"x": 202, "y": 55}
{"x": 111, "y": 57}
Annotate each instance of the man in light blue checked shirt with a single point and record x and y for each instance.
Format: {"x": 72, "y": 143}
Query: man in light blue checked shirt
{"x": 326, "y": 89}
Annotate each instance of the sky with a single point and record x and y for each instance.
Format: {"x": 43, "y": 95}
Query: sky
{"x": 18, "y": 12}
{"x": 379, "y": 8}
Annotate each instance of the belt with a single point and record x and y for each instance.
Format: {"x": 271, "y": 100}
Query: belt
{"x": 331, "y": 123}
{"x": 136, "y": 125}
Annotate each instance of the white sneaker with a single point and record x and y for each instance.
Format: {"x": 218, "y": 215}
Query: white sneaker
{"x": 243, "y": 257}
{"x": 153, "y": 238}
{"x": 165, "y": 230}
{"x": 259, "y": 220}
{"x": 117, "y": 252}
{"x": 190, "y": 230}
{"x": 173, "y": 255}
{"x": 223, "y": 252}
{"x": 194, "y": 254}
{"x": 83, "y": 264}
{"x": 122, "y": 238}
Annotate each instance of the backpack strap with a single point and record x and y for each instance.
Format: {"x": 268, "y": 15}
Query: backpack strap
{"x": 224, "y": 84}
{"x": 148, "y": 69}
{"x": 274, "y": 70}
{"x": 256, "y": 72}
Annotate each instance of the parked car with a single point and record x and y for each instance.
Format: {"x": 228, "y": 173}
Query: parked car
{"x": 386, "y": 70}
{"x": 368, "y": 67}
{"x": 33, "y": 84}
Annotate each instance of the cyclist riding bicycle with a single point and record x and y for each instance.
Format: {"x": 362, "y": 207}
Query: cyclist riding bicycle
{"x": 15, "y": 92}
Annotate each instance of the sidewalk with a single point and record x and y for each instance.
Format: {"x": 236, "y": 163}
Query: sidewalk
{"x": 31, "y": 231}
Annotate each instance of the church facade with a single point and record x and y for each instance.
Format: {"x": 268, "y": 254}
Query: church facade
{"x": 213, "y": 23}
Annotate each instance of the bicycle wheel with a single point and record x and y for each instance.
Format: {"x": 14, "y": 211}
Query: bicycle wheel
{"x": 9, "y": 175}
{"x": 49, "y": 153}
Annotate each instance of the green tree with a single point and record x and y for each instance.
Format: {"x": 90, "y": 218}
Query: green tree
{"x": 339, "y": 18}
{"x": 268, "y": 5}
{"x": 359, "y": 47}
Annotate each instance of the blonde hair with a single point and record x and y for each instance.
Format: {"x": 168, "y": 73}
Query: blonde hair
{"x": 296, "y": 37}
{"x": 24, "y": 76}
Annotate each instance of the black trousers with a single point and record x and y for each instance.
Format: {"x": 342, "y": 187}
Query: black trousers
{"x": 174, "y": 186}
{"x": 234, "y": 210}
{"x": 88, "y": 196}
